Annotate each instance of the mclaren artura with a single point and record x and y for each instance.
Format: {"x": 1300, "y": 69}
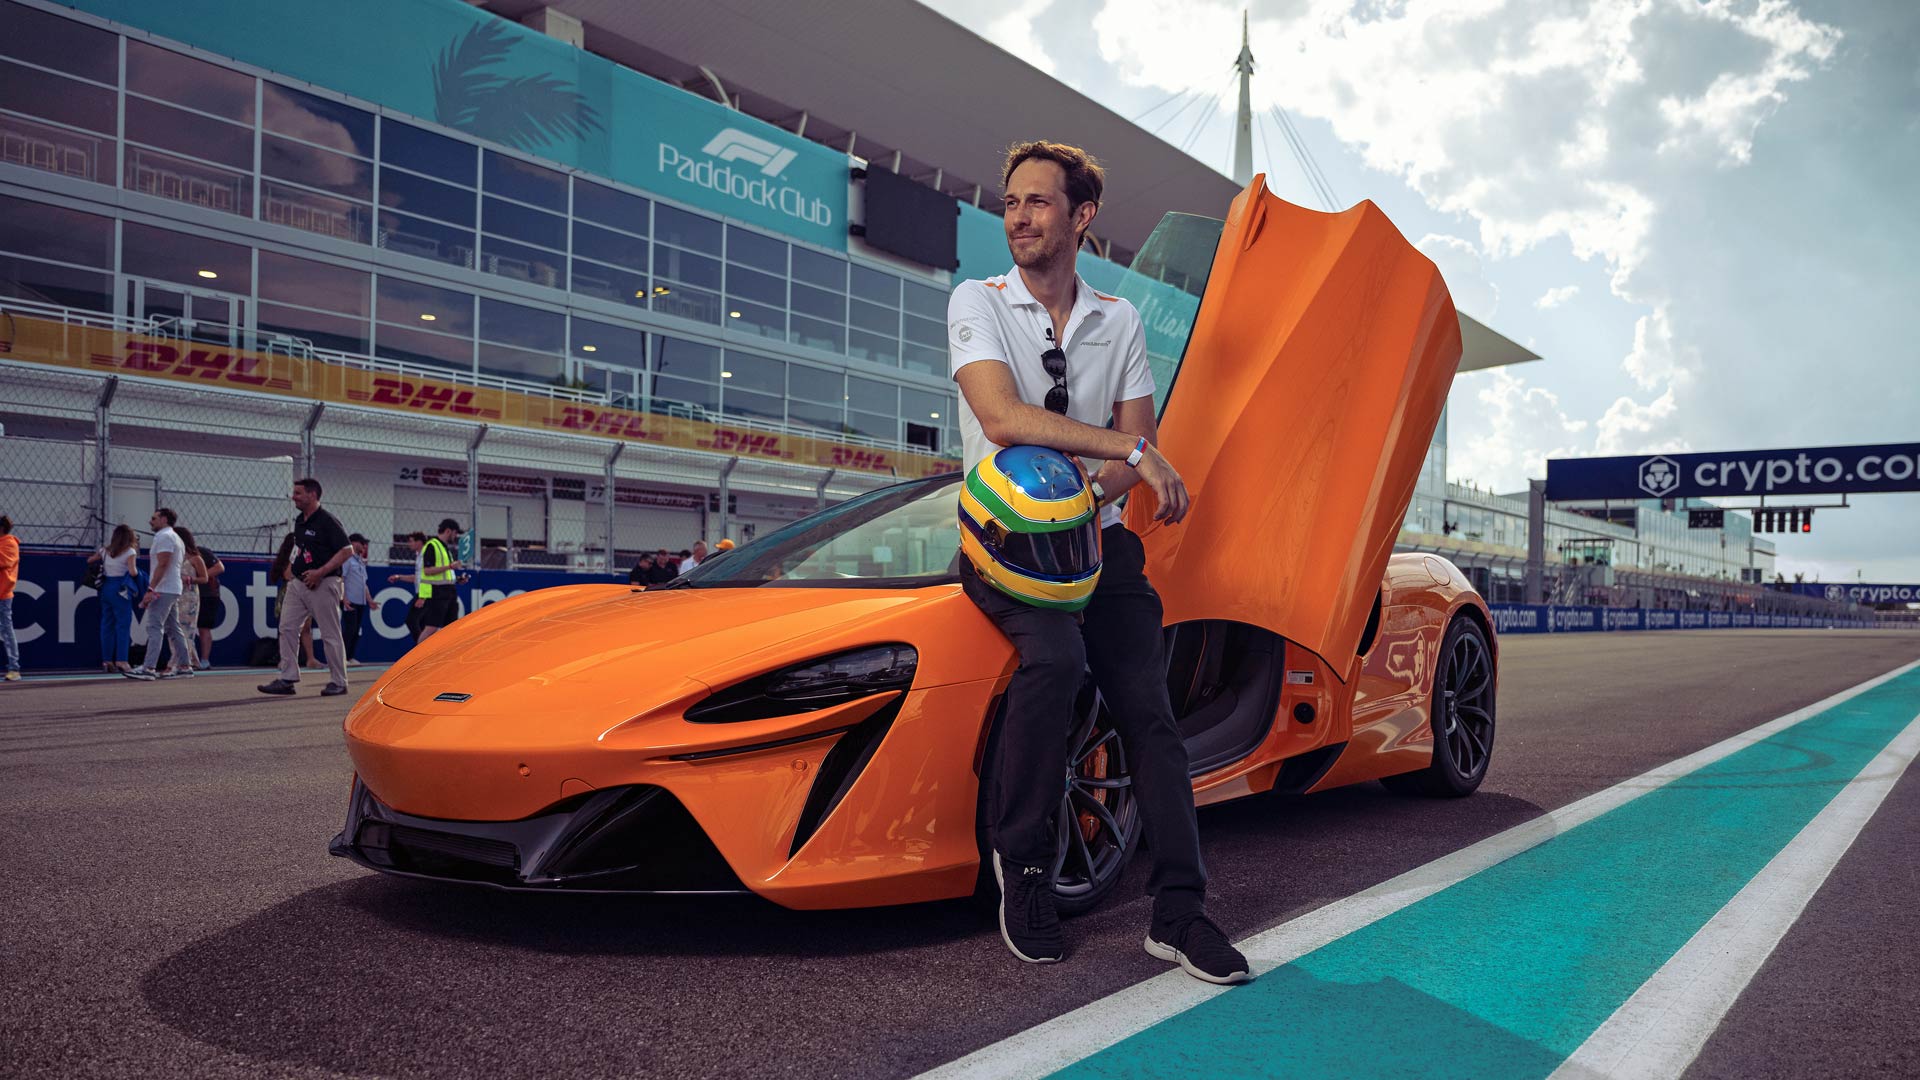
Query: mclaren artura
{"x": 806, "y": 717}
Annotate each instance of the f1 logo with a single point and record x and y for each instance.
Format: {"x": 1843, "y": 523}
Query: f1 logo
{"x": 732, "y": 144}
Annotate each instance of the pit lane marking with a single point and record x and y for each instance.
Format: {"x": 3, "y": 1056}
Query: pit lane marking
{"x": 1666, "y": 1023}
{"x": 1076, "y": 1036}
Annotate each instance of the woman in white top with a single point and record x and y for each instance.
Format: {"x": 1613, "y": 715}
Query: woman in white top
{"x": 116, "y": 596}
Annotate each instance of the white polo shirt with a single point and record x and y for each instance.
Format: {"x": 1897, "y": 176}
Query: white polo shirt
{"x": 167, "y": 583}
{"x": 1106, "y": 346}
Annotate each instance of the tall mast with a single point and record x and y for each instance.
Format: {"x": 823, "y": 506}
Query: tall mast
{"x": 1243, "y": 126}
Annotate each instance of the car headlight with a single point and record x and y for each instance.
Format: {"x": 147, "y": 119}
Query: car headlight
{"x": 814, "y": 685}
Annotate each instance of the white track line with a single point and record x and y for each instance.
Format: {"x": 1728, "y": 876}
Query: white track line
{"x": 1660, "y": 1029}
{"x": 1057, "y": 1043}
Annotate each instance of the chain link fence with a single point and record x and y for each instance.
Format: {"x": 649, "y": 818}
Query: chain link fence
{"x": 84, "y": 452}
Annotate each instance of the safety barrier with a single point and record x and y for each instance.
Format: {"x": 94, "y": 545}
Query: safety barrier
{"x": 1563, "y": 619}
{"x": 56, "y": 619}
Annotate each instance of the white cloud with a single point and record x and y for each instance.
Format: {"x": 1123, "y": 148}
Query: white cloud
{"x": 1730, "y": 109}
{"x": 1525, "y": 426}
{"x": 1658, "y": 358}
{"x": 1554, "y": 297}
{"x": 1629, "y": 427}
{"x": 1013, "y": 30}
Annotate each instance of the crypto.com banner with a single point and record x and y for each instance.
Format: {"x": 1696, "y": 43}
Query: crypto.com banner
{"x": 1861, "y": 592}
{"x": 1827, "y": 470}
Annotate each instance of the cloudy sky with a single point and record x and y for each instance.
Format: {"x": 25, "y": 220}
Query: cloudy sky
{"x": 1704, "y": 214}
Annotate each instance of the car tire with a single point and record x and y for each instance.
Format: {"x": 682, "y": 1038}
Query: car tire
{"x": 1462, "y": 714}
{"x": 1098, "y": 802}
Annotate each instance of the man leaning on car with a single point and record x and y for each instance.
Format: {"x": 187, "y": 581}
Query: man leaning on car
{"x": 1001, "y": 332}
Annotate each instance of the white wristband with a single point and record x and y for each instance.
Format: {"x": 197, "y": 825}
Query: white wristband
{"x": 1099, "y": 493}
{"x": 1139, "y": 451}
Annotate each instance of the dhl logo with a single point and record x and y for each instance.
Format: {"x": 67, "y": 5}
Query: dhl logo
{"x": 613, "y": 422}
{"x": 216, "y": 365}
{"x": 855, "y": 458}
{"x": 422, "y": 397}
{"x": 747, "y": 442}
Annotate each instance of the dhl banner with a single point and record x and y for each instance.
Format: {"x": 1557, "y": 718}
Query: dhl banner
{"x": 46, "y": 341}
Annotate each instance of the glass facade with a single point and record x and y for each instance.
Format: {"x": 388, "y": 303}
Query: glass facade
{"x": 435, "y": 218}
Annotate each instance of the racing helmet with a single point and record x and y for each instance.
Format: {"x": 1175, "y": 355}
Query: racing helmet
{"x": 1031, "y": 528}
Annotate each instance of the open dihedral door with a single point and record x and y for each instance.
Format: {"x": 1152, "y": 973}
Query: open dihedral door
{"x": 1300, "y": 418}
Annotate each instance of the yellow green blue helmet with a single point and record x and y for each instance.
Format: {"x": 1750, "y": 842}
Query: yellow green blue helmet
{"x": 1031, "y": 528}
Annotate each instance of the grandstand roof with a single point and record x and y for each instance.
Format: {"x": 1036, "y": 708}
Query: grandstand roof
{"x": 950, "y": 103}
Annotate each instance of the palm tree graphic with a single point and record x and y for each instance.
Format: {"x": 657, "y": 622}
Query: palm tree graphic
{"x": 526, "y": 112}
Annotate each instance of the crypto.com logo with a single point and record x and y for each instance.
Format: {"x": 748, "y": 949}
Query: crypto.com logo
{"x": 733, "y": 144}
{"x": 1836, "y": 592}
{"x": 1659, "y": 475}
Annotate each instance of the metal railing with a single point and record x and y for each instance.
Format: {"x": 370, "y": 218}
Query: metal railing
{"x": 301, "y": 348}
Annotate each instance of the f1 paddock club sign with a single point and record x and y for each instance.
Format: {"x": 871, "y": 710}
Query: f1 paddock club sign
{"x": 1827, "y": 470}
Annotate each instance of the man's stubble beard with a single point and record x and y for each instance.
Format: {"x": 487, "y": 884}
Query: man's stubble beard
{"x": 1046, "y": 257}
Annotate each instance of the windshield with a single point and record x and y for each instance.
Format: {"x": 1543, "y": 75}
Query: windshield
{"x": 1165, "y": 283}
{"x": 902, "y": 536}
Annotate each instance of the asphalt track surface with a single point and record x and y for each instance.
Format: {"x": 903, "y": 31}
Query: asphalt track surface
{"x": 170, "y": 908}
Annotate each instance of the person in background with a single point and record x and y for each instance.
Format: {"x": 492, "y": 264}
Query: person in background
{"x": 9, "y": 575}
{"x": 695, "y": 557}
{"x": 280, "y": 573}
{"x": 721, "y": 548}
{"x": 665, "y": 568}
{"x": 163, "y": 593}
{"x": 314, "y": 591}
{"x": 438, "y": 602}
{"x": 642, "y": 572}
{"x": 118, "y": 561}
{"x": 418, "y": 542}
{"x": 193, "y": 574}
{"x": 212, "y": 608}
{"x": 353, "y": 602}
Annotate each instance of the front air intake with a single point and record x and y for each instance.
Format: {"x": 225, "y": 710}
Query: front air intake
{"x": 841, "y": 767}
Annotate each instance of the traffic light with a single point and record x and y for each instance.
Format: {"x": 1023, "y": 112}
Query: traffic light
{"x": 1793, "y": 521}
{"x": 1763, "y": 521}
{"x": 1806, "y": 521}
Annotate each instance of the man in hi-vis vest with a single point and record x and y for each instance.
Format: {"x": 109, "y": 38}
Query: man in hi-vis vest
{"x": 435, "y": 596}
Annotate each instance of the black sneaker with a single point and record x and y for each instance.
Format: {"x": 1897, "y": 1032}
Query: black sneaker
{"x": 1198, "y": 946}
{"x": 277, "y": 686}
{"x": 332, "y": 689}
{"x": 1028, "y": 923}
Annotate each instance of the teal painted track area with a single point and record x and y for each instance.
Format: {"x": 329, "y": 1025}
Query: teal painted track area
{"x": 1505, "y": 974}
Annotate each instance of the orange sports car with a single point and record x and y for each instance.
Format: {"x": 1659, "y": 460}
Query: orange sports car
{"x": 806, "y": 717}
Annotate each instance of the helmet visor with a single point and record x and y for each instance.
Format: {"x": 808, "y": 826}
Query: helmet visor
{"x": 1068, "y": 553}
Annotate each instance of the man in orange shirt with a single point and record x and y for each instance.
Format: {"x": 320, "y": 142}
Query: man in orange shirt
{"x": 9, "y": 576}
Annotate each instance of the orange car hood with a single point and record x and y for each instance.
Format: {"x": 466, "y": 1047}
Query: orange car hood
{"x": 1300, "y": 418}
{"x": 597, "y": 652}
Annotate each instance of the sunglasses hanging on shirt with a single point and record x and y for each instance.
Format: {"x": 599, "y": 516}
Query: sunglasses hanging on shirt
{"x": 1055, "y": 361}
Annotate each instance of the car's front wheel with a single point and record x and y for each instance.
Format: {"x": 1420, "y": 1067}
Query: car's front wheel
{"x": 1462, "y": 717}
{"x": 1097, "y": 826}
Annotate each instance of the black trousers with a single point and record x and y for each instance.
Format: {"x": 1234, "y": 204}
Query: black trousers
{"x": 350, "y": 628}
{"x": 1119, "y": 639}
